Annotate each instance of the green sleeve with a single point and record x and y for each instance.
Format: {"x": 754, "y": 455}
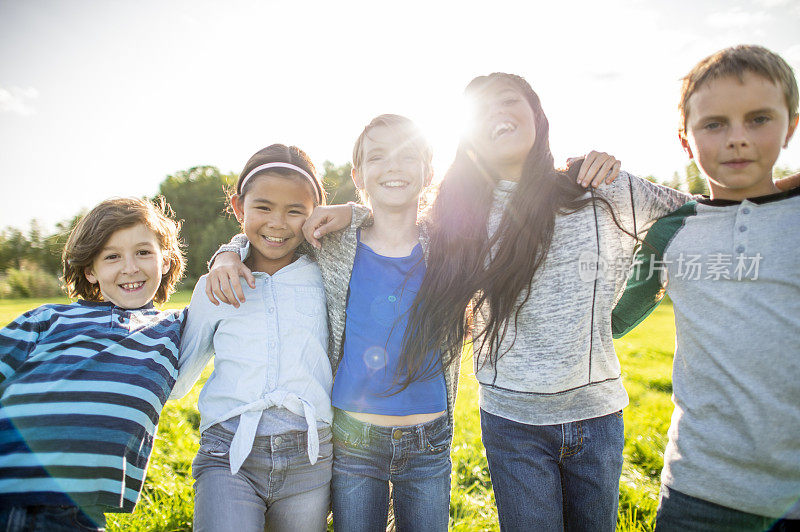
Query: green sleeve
{"x": 645, "y": 287}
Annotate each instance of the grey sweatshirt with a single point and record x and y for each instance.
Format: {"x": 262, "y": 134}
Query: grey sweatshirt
{"x": 559, "y": 364}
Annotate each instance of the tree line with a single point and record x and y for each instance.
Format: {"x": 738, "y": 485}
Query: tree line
{"x": 30, "y": 261}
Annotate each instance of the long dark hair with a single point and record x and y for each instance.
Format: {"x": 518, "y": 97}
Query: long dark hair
{"x": 458, "y": 264}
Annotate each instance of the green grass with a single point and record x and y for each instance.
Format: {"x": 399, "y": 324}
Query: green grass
{"x": 646, "y": 356}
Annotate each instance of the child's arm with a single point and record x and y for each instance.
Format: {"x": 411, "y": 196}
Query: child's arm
{"x": 328, "y": 219}
{"x": 648, "y": 201}
{"x": 18, "y": 339}
{"x": 788, "y": 183}
{"x": 226, "y": 267}
{"x": 197, "y": 340}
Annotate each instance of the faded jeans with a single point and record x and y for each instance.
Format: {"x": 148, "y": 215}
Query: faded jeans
{"x": 276, "y": 488}
{"x": 555, "y": 477}
{"x": 415, "y": 459}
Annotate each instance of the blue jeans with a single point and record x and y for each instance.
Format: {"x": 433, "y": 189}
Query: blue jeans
{"x": 680, "y": 512}
{"x": 49, "y": 519}
{"x": 555, "y": 477}
{"x": 276, "y": 488}
{"x": 415, "y": 459}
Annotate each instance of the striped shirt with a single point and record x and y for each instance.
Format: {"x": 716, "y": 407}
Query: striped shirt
{"x": 82, "y": 386}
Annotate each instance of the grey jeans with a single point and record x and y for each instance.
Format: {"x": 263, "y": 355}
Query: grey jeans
{"x": 276, "y": 488}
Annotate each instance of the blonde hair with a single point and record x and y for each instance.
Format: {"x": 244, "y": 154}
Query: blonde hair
{"x": 735, "y": 61}
{"x": 401, "y": 125}
{"x": 93, "y": 231}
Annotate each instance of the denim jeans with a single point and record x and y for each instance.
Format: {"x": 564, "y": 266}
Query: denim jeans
{"x": 679, "y": 512}
{"x": 49, "y": 519}
{"x": 276, "y": 488}
{"x": 555, "y": 477}
{"x": 415, "y": 459}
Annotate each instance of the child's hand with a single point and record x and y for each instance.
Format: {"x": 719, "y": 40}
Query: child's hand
{"x": 326, "y": 219}
{"x": 223, "y": 279}
{"x": 788, "y": 183}
{"x": 597, "y": 168}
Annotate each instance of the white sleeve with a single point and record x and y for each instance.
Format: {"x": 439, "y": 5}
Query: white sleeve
{"x": 197, "y": 340}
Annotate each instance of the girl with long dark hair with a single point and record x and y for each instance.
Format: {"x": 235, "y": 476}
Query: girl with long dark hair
{"x": 542, "y": 261}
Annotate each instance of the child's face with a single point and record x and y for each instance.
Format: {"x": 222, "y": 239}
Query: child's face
{"x": 272, "y": 214}
{"x": 503, "y": 128}
{"x": 129, "y": 268}
{"x": 393, "y": 172}
{"x": 735, "y": 130}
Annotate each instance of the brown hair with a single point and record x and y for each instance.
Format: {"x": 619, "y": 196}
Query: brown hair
{"x": 280, "y": 153}
{"x": 398, "y": 124}
{"x": 93, "y": 231}
{"x": 735, "y": 61}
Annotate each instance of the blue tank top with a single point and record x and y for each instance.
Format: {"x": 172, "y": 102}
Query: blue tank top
{"x": 382, "y": 290}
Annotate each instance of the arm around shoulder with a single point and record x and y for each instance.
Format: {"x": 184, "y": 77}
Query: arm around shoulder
{"x": 650, "y": 201}
{"x": 197, "y": 340}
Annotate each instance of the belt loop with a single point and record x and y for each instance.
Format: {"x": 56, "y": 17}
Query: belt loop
{"x": 365, "y": 429}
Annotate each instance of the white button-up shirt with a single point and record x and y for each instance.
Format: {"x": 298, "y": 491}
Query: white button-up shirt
{"x": 270, "y": 352}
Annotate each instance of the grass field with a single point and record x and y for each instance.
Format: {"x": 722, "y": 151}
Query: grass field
{"x": 646, "y": 356}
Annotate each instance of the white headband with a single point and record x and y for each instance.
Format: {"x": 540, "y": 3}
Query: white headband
{"x": 290, "y": 166}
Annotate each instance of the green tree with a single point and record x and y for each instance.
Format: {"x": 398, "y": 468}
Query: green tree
{"x": 14, "y": 248}
{"x": 198, "y": 197}
{"x": 338, "y": 182}
{"x": 696, "y": 183}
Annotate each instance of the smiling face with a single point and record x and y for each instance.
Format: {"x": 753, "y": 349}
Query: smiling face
{"x": 129, "y": 268}
{"x": 272, "y": 213}
{"x": 503, "y": 128}
{"x": 735, "y": 130}
{"x": 393, "y": 170}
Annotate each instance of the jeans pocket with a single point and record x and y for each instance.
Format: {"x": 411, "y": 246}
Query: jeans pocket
{"x": 213, "y": 446}
{"x": 343, "y": 436}
{"x": 438, "y": 441}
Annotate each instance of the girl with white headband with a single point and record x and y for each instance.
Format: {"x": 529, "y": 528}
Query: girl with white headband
{"x": 265, "y": 449}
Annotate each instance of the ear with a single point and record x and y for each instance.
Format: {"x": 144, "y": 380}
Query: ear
{"x": 87, "y": 272}
{"x": 685, "y": 144}
{"x": 358, "y": 180}
{"x": 237, "y": 202}
{"x": 792, "y": 128}
{"x": 166, "y": 266}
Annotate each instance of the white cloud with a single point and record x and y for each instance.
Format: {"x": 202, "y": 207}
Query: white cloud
{"x": 792, "y": 56}
{"x": 738, "y": 18}
{"x": 17, "y": 100}
{"x": 771, "y": 4}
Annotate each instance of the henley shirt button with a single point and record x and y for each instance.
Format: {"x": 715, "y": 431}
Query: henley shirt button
{"x": 270, "y": 310}
{"x": 397, "y": 434}
{"x": 392, "y": 299}
{"x": 121, "y": 319}
{"x": 278, "y": 440}
{"x": 746, "y": 210}
{"x": 740, "y": 249}
{"x": 742, "y": 228}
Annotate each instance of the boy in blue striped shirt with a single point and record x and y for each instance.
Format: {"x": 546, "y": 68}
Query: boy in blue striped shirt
{"x": 82, "y": 385}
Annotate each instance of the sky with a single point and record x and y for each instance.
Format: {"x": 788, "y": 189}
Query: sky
{"x": 107, "y": 97}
